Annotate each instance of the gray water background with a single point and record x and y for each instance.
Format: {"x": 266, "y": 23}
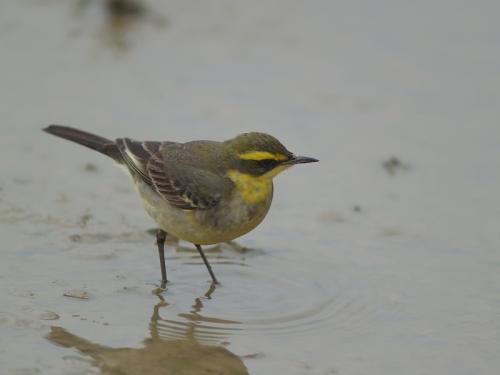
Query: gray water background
{"x": 354, "y": 271}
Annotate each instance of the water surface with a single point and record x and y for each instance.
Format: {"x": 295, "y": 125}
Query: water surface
{"x": 382, "y": 258}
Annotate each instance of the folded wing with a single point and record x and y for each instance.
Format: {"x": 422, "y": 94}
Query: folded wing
{"x": 182, "y": 185}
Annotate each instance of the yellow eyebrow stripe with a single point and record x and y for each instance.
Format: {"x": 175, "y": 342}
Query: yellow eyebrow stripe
{"x": 261, "y": 155}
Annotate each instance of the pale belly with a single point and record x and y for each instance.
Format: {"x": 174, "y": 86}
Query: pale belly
{"x": 229, "y": 220}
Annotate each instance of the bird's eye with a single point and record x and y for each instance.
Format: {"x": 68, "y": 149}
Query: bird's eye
{"x": 267, "y": 163}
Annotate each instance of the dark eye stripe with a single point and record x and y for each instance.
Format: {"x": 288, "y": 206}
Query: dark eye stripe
{"x": 267, "y": 163}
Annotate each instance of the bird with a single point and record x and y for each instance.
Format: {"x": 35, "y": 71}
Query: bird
{"x": 204, "y": 192}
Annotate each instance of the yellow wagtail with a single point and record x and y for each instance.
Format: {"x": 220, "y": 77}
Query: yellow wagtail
{"x": 204, "y": 192}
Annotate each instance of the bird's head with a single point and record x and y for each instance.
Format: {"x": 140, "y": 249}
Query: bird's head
{"x": 261, "y": 155}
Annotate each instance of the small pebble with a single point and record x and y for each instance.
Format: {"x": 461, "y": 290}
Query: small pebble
{"x": 49, "y": 315}
{"x": 80, "y": 294}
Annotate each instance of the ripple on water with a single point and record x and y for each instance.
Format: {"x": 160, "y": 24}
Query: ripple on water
{"x": 252, "y": 301}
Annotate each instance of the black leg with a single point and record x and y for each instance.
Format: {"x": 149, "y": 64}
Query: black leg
{"x": 160, "y": 241}
{"x": 198, "y": 247}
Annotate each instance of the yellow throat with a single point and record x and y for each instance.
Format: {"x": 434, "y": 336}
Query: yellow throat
{"x": 254, "y": 189}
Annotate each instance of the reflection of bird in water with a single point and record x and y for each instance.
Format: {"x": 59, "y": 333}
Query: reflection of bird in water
{"x": 194, "y": 326}
{"x": 182, "y": 355}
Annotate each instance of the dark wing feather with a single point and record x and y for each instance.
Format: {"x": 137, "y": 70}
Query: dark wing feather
{"x": 136, "y": 155}
{"x": 185, "y": 186}
{"x": 182, "y": 185}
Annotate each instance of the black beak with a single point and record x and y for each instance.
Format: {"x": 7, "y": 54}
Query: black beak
{"x": 299, "y": 160}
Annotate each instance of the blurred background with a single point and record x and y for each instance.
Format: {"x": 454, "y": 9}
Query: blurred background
{"x": 383, "y": 258}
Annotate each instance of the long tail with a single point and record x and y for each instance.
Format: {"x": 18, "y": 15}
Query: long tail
{"x": 103, "y": 145}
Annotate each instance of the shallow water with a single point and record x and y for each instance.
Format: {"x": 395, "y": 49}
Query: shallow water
{"x": 382, "y": 258}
